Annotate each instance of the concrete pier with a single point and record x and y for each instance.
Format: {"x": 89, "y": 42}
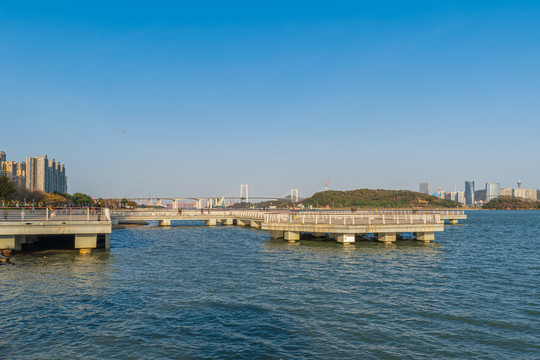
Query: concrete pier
{"x": 425, "y": 236}
{"x": 342, "y": 226}
{"x": 345, "y": 239}
{"x": 291, "y": 236}
{"x": 227, "y": 222}
{"x": 164, "y": 222}
{"x": 85, "y": 241}
{"x": 84, "y": 234}
{"x": 386, "y": 237}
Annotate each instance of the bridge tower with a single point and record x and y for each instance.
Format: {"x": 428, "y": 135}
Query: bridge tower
{"x": 244, "y": 198}
{"x": 294, "y": 194}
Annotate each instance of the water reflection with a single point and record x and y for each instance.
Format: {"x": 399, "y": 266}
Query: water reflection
{"x": 406, "y": 246}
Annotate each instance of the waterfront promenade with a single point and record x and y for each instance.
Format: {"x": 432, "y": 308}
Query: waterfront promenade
{"x": 90, "y": 228}
{"x": 77, "y": 228}
{"x": 342, "y": 225}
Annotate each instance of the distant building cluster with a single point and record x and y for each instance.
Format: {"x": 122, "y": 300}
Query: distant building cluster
{"x": 36, "y": 173}
{"x": 472, "y": 197}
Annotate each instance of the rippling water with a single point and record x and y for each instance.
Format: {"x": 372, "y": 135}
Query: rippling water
{"x": 229, "y": 292}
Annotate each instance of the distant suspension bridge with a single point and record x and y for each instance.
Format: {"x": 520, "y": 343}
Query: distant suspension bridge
{"x": 210, "y": 202}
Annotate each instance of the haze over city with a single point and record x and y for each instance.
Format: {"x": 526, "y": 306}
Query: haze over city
{"x": 196, "y": 99}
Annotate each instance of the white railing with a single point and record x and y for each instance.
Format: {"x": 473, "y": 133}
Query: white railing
{"x": 54, "y": 214}
{"x": 186, "y": 214}
{"x": 352, "y": 219}
{"x": 335, "y": 217}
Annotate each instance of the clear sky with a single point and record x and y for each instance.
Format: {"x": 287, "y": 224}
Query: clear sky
{"x": 277, "y": 94}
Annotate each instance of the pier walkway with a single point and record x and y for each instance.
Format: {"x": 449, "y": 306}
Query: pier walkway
{"x": 342, "y": 225}
{"x": 89, "y": 228}
{"x": 84, "y": 228}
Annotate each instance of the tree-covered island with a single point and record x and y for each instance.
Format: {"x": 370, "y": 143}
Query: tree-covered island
{"x": 368, "y": 198}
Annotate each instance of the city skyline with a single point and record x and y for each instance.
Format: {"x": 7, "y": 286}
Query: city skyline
{"x": 199, "y": 99}
{"x": 35, "y": 173}
{"x": 54, "y": 182}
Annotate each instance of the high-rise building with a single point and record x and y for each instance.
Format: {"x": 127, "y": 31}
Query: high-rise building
{"x": 424, "y": 188}
{"x": 506, "y": 192}
{"x": 2, "y": 161}
{"x": 529, "y": 194}
{"x": 469, "y": 193}
{"x": 36, "y": 173}
{"x": 16, "y": 171}
{"x": 45, "y": 175}
{"x": 493, "y": 191}
{"x": 519, "y": 192}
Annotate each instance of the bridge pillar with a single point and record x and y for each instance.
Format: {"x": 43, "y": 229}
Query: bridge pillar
{"x": 114, "y": 221}
{"x": 175, "y": 204}
{"x": 7, "y": 242}
{"x": 85, "y": 241}
{"x": 107, "y": 241}
{"x": 276, "y": 234}
{"x": 254, "y": 224}
{"x": 291, "y": 236}
{"x": 165, "y": 222}
{"x": 211, "y": 222}
{"x": 345, "y": 239}
{"x": 198, "y": 204}
{"x": 12, "y": 242}
{"x": 386, "y": 237}
{"x": 453, "y": 221}
{"x": 227, "y": 222}
{"x": 241, "y": 222}
{"x": 425, "y": 236}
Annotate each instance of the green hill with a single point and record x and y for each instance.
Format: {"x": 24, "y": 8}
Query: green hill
{"x": 512, "y": 203}
{"x": 367, "y": 198}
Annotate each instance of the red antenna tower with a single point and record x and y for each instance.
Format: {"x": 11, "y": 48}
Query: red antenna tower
{"x": 326, "y": 184}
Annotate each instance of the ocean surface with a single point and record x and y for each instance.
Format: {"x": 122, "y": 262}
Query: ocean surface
{"x": 195, "y": 292}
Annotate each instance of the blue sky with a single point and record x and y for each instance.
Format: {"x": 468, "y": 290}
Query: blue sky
{"x": 280, "y": 95}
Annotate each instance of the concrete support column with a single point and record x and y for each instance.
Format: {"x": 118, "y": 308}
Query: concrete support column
{"x": 291, "y": 236}
{"x": 7, "y": 242}
{"x": 107, "y": 241}
{"x": 425, "y": 236}
{"x": 276, "y": 234}
{"x": 227, "y": 222}
{"x": 114, "y": 221}
{"x": 165, "y": 222}
{"x": 386, "y": 237}
{"x": 453, "y": 221}
{"x": 211, "y": 222}
{"x": 175, "y": 204}
{"x": 240, "y": 222}
{"x": 254, "y": 224}
{"x": 345, "y": 239}
{"x": 85, "y": 241}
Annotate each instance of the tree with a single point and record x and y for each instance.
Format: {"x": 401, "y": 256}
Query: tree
{"x": 56, "y": 199}
{"x": 82, "y": 199}
{"x": 35, "y": 197}
{"x": 7, "y": 189}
